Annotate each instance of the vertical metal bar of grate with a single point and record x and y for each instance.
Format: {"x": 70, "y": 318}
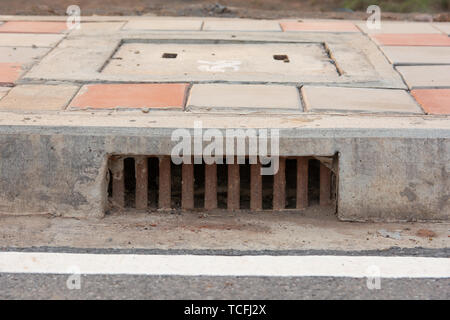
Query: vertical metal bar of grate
{"x": 255, "y": 187}
{"x": 234, "y": 181}
{"x": 187, "y": 186}
{"x": 279, "y": 186}
{"x": 325, "y": 185}
{"x": 302, "y": 183}
{"x": 210, "y": 186}
{"x": 118, "y": 181}
{"x": 165, "y": 190}
{"x": 141, "y": 173}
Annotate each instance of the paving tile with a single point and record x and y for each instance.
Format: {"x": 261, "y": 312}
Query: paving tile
{"x": 4, "y": 91}
{"x": 165, "y": 24}
{"x": 227, "y": 97}
{"x": 33, "y": 27}
{"x": 29, "y": 40}
{"x": 443, "y": 26}
{"x": 95, "y": 28}
{"x": 241, "y": 25}
{"x": 319, "y": 26}
{"x": 21, "y": 54}
{"x": 433, "y": 101}
{"x": 9, "y": 72}
{"x": 38, "y": 97}
{"x": 426, "y": 76}
{"x": 400, "y": 28}
{"x": 110, "y": 96}
{"x": 417, "y": 55}
{"x": 337, "y": 99}
{"x": 435, "y": 40}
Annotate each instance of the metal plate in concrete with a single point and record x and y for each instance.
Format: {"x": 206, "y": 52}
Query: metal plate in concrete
{"x": 225, "y": 61}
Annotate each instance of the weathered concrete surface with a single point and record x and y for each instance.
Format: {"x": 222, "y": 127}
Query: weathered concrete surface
{"x": 392, "y": 166}
{"x": 335, "y": 99}
{"x": 384, "y": 174}
{"x": 88, "y": 58}
{"x": 420, "y": 55}
{"x": 244, "y": 61}
{"x": 38, "y": 97}
{"x": 426, "y": 76}
{"x": 316, "y": 228}
{"x": 243, "y": 98}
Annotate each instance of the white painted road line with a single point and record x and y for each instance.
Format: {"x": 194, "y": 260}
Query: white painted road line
{"x": 195, "y": 265}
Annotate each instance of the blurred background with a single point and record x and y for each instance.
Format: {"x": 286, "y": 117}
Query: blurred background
{"x": 415, "y": 10}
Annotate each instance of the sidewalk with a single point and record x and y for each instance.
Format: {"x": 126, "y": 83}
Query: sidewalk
{"x": 379, "y": 98}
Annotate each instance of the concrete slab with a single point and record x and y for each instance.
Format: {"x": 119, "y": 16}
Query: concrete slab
{"x": 33, "y": 27}
{"x": 243, "y": 98}
{"x": 417, "y": 55}
{"x": 97, "y": 28}
{"x": 416, "y": 39}
{"x": 21, "y": 54}
{"x": 426, "y": 76}
{"x": 335, "y": 99}
{"x": 112, "y": 96}
{"x": 31, "y": 97}
{"x": 400, "y": 28}
{"x": 434, "y": 101}
{"x": 390, "y": 168}
{"x": 225, "y": 61}
{"x": 165, "y": 25}
{"x": 29, "y": 40}
{"x": 443, "y": 26}
{"x": 319, "y": 26}
{"x": 241, "y": 25}
{"x": 86, "y": 58}
{"x": 4, "y": 91}
{"x": 392, "y": 159}
{"x": 9, "y": 72}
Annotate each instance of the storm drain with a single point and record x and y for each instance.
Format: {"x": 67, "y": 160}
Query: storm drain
{"x": 146, "y": 182}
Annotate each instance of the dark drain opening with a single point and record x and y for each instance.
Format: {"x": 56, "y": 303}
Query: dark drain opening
{"x": 145, "y": 182}
{"x": 313, "y": 181}
{"x": 130, "y": 182}
{"x": 169, "y": 55}
{"x": 281, "y": 57}
{"x": 199, "y": 185}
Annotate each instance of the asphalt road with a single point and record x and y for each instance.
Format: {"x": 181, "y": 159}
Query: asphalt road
{"x": 54, "y": 286}
{"x": 45, "y": 286}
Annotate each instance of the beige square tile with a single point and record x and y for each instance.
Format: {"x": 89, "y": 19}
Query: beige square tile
{"x": 38, "y": 97}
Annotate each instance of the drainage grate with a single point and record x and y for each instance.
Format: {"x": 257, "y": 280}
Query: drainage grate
{"x": 146, "y": 182}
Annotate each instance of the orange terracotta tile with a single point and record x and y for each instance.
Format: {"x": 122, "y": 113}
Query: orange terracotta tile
{"x": 33, "y": 27}
{"x": 9, "y": 72}
{"x": 110, "y": 96}
{"x": 433, "y": 101}
{"x": 319, "y": 26}
{"x": 436, "y": 40}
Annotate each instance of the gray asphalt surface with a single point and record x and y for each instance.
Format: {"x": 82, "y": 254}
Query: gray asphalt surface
{"x": 38, "y": 286}
{"x": 50, "y": 286}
